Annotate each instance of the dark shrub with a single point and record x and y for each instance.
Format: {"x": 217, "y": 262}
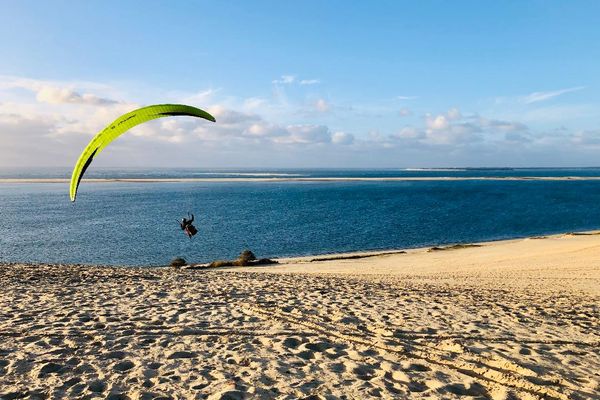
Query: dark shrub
{"x": 264, "y": 261}
{"x": 221, "y": 263}
{"x": 246, "y": 258}
{"x": 178, "y": 262}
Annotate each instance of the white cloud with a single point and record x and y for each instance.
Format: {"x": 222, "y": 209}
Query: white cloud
{"x": 342, "y": 138}
{"x": 309, "y": 81}
{"x": 542, "y": 96}
{"x": 285, "y": 80}
{"x": 265, "y": 130}
{"x": 506, "y": 126}
{"x": 226, "y": 116}
{"x": 254, "y": 103}
{"x": 29, "y": 141}
{"x": 454, "y": 114}
{"x": 404, "y": 112}
{"x": 455, "y": 134}
{"x": 437, "y": 122}
{"x": 587, "y": 137}
{"x": 202, "y": 97}
{"x": 306, "y": 134}
{"x": 55, "y": 95}
{"x": 411, "y": 133}
{"x": 290, "y": 79}
{"x": 454, "y": 129}
{"x": 322, "y": 106}
{"x": 49, "y": 122}
{"x": 517, "y": 137}
{"x": 406, "y": 97}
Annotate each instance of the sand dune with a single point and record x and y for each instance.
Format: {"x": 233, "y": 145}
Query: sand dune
{"x": 508, "y": 320}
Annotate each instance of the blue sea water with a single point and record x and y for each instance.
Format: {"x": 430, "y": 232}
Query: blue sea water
{"x": 143, "y": 173}
{"x": 136, "y": 223}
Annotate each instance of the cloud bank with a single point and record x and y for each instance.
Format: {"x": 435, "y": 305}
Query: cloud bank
{"x": 543, "y": 96}
{"x": 47, "y": 123}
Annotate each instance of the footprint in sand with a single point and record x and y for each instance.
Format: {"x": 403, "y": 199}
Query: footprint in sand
{"x": 338, "y": 368}
{"x": 292, "y": 342}
{"x": 84, "y": 368}
{"x": 364, "y": 372}
{"x": 154, "y": 365}
{"x": 77, "y": 389}
{"x": 30, "y": 339}
{"x": 13, "y": 395}
{"x": 181, "y": 354}
{"x": 97, "y": 386}
{"x": 200, "y": 386}
{"x": 369, "y": 353}
{"x": 85, "y": 318}
{"x": 123, "y": 366}
{"x": 306, "y": 355}
{"x": 418, "y": 368}
{"x": 229, "y": 395}
{"x": 318, "y": 346}
{"x": 475, "y": 389}
{"x": 50, "y": 368}
{"x": 70, "y": 382}
{"x": 335, "y": 352}
{"x": 416, "y": 386}
{"x": 162, "y": 398}
{"x": 148, "y": 396}
{"x": 149, "y": 373}
{"x": 119, "y": 355}
{"x": 117, "y": 396}
{"x": 525, "y": 351}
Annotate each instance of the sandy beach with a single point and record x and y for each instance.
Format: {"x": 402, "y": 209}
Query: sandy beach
{"x": 516, "y": 319}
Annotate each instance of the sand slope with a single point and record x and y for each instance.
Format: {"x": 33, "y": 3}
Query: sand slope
{"x": 516, "y": 319}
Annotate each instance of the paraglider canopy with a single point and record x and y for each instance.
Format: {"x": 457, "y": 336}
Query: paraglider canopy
{"x": 122, "y": 125}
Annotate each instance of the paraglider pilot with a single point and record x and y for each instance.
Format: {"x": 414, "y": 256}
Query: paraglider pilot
{"x": 187, "y": 227}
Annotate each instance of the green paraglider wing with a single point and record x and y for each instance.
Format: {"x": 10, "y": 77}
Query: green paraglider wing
{"x": 122, "y": 125}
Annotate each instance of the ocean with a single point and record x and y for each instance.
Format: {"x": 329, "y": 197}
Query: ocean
{"x": 120, "y": 223}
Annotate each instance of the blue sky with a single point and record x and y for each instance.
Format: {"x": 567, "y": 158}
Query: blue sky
{"x": 311, "y": 84}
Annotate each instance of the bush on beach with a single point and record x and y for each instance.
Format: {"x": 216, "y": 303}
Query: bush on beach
{"x": 221, "y": 263}
{"x": 178, "y": 262}
{"x": 246, "y": 258}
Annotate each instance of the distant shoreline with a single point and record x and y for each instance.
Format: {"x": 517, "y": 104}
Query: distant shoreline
{"x": 306, "y": 179}
{"x": 360, "y": 254}
{"x": 327, "y": 258}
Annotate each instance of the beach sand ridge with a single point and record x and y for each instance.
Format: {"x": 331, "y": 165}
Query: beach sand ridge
{"x": 507, "y": 320}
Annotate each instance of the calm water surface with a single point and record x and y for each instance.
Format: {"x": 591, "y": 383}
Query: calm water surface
{"x": 135, "y": 223}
